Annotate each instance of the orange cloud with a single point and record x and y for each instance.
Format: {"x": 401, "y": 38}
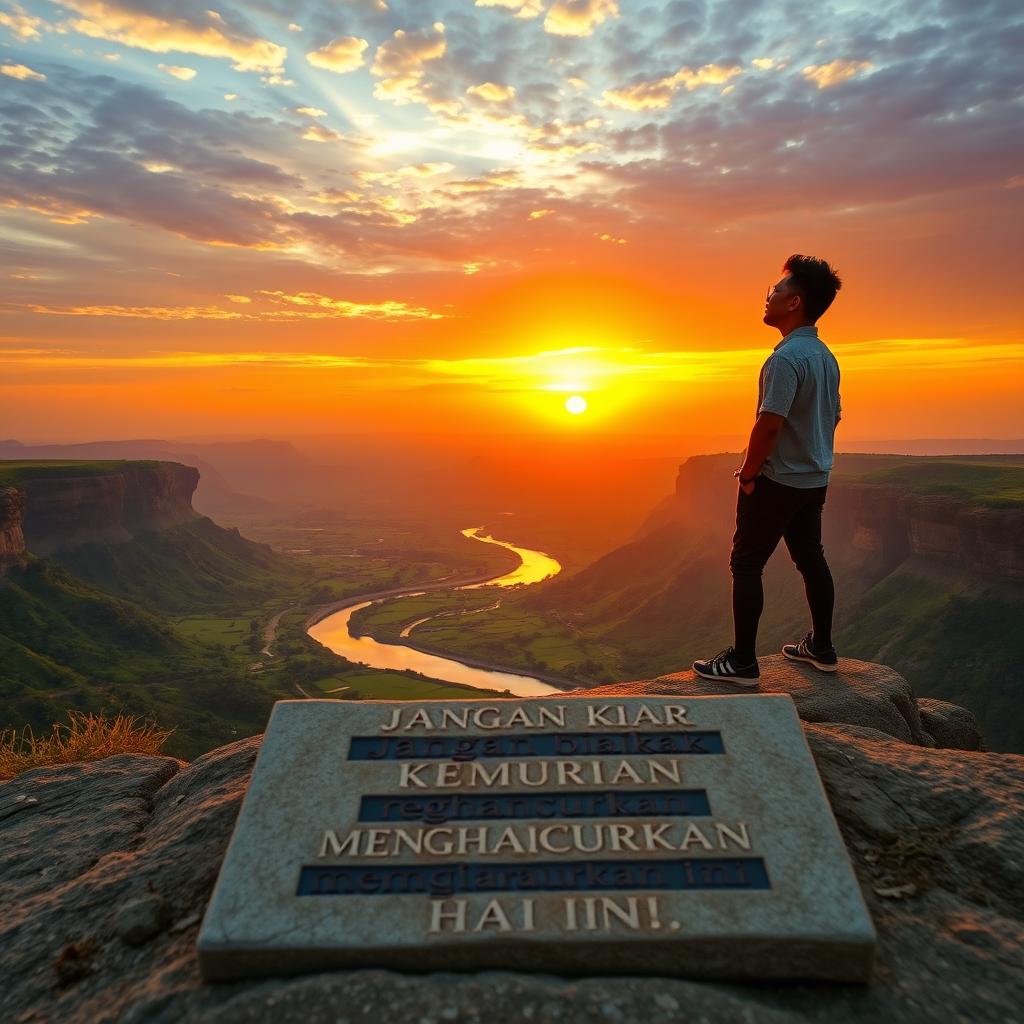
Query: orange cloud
{"x": 209, "y": 37}
{"x": 300, "y": 306}
{"x": 658, "y": 94}
{"x": 492, "y": 92}
{"x": 142, "y": 312}
{"x": 486, "y": 183}
{"x": 21, "y": 72}
{"x": 318, "y": 306}
{"x": 836, "y": 71}
{"x": 56, "y": 210}
{"x": 578, "y": 17}
{"x": 321, "y": 133}
{"x": 424, "y": 170}
{"x": 340, "y": 55}
{"x": 399, "y": 64}
{"x": 336, "y": 195}
{"x": 21, "y": 24}
{"x": 185, "y": 74}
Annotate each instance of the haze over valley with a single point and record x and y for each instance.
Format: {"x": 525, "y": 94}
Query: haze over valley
{"x": 132, "y": 593}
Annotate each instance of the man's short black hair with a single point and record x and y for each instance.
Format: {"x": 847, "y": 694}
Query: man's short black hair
{"x": 814, "y": 281}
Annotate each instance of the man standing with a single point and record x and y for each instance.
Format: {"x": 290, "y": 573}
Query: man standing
{"x": 784, "y": 477}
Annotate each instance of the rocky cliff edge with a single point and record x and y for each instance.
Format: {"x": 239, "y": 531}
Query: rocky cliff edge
{"x": 106, "y": 868}
{"x": 40, "y": 514}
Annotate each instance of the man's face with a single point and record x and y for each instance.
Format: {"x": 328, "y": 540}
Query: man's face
{"x": 780, "y": 301}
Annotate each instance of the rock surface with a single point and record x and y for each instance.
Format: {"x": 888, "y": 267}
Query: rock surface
{"x": 950, "y": 725}
{"x": 63, "y": 511}
{"x": 937, "y": 839}
{"x": 859, "y": 693}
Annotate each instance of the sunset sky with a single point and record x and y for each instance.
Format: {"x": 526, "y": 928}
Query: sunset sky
{"x": 288, "y": 218}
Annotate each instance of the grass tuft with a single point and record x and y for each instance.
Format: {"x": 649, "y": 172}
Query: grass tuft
{"x": 88, "y": 737}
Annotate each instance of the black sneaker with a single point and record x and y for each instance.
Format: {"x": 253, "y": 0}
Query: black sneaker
{"x": 826, "y": 661}
{"x": 725, "y": 667}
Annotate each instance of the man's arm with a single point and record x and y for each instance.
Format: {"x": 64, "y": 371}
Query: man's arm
{"x": 762, "y": 443}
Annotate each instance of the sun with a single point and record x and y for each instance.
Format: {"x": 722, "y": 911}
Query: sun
{"x": 576, "y": 404}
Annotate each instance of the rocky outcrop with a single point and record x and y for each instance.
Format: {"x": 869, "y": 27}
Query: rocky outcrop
{"x": 51, "y": 511}
{"x": 106, "y": 869}
{"x": 860, "y": 694}
{"x": 12, "y": 538}
{"x": 950, "y": 725}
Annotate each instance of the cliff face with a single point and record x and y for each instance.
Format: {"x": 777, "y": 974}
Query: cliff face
{"x": 880, "y": 525}
{"x": 12, "y": 538}
{"x": 886, "y": 526}
{"x": 43, "y": 514}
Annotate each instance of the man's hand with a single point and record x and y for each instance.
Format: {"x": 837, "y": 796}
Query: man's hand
{"x": 761, "y": 445}
{"x": 745, "y": 488}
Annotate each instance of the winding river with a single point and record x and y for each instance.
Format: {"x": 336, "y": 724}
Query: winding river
{"x": 333, "y": 630}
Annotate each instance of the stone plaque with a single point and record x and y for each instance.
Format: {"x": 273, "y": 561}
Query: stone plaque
{"x": 657, "y": 835}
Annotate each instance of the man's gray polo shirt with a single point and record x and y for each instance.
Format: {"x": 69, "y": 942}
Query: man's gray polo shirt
{"x": 800, "y": 380}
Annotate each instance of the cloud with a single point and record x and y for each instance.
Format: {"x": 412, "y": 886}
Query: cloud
{"x": 399, "y": 63}
{"x": 92, "y": 139}
{"x": 597, "y": 366}
{"x": 492, "y": 182}
{"x": 175, "y": 71}
{"x": 189, "y": 29}
{"x": 53, "y": 209}
{"x": 336, "y": 196}
{"x": 321, "y": 133}
{"x": 298, "y": 306}
{"x": 657, "y": 94}
{"x": 522, "y": 8}
{"x": 186, "y": 359}
{"x": 395, "y": 178}
{"x": 836, "y": 71}
{"x": 340, "y": 55}
{"x": 492, "y": 93}
{"x": 321, "y": 306}
{"x": 578, "y": 17}
{"x": 77, "y": 145}
{"x": 538, "y": 214}
{"x": 21, "y": 72}
{"x": 311, "y": 111}
{"x": 22, "y": 24}
{"x": 141, "y": 312}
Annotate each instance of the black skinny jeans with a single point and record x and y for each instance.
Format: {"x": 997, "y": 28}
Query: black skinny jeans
{"x": 773, "y": 512}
